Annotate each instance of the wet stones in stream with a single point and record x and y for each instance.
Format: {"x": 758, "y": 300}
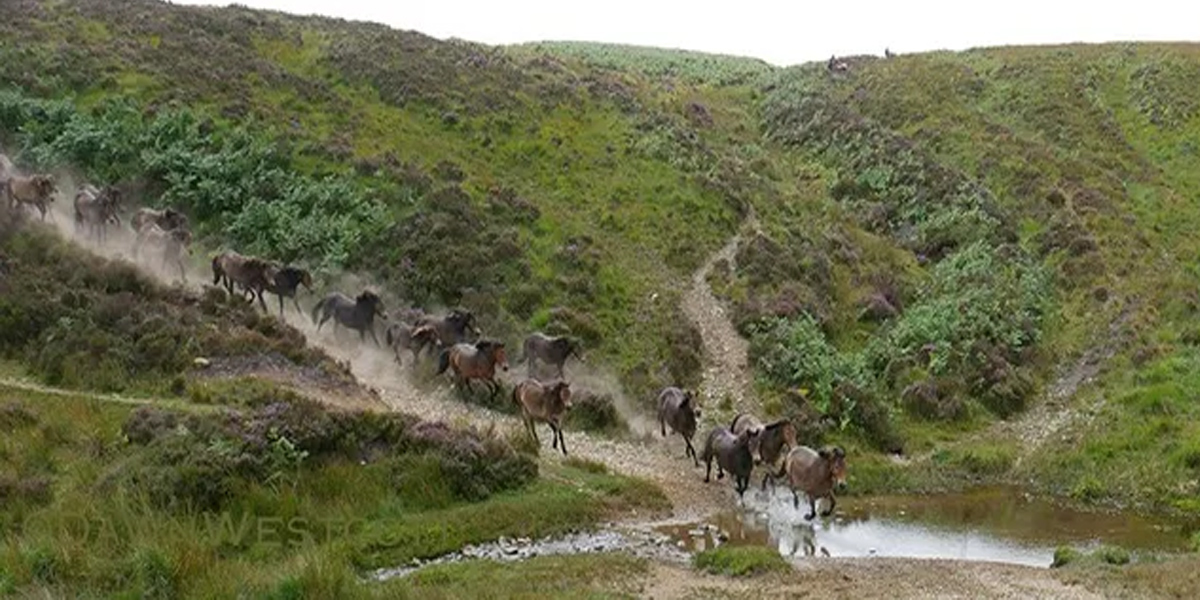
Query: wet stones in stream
{"x": 642, "y": 544}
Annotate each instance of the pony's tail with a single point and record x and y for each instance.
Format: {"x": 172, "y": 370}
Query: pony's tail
{"x": 734, "y": 421}
{"x": 216, "y": 269}
{"x": 387, "y": 336}
{"x": 443, "y": 361}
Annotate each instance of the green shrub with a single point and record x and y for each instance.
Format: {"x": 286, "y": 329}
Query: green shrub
{"x": 740, "y": 561}
{"x": 1112, "y": 555}
{"x": 1065, "y": 555}
{"x": 595, "y": 413}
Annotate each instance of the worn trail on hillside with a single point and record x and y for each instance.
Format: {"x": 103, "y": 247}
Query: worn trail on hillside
{"x": 726, "y": 353}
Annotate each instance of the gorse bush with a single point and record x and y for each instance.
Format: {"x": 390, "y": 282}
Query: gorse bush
{"x": 202, "y": 462}
{"x": 81, "y": 321}
{"x": 967, "y": 327}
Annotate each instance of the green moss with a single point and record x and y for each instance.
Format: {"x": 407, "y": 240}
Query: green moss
{"x": 741, "y": 561}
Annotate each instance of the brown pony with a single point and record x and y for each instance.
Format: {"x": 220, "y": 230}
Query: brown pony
{"x": 816, "y": 473}
{"x": 173, "y": 244}
{"x": 475, "y": 361}
{"x": 553, "y": 351}
{"x": 166, "y": 219}
{"x": 37, "y": 190}
{"x": 545, "y": 402}
{"x": 402, "y": 336}
{"x": 96, "y": 208}
{"x": 253, "y": 274}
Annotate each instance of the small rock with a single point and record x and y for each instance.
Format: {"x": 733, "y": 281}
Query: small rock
{"x": 201, "y": 362}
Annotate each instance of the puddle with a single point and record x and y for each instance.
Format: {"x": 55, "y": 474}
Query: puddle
{"x": 994, "y": 524}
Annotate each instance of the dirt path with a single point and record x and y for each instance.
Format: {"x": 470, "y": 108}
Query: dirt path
{"x": 1055, "y": 413}
{"x": 726, "y": 362}
{"x": 870, "y": 578}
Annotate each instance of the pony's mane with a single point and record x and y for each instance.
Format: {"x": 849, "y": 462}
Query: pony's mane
{"x": 777, "y": 424}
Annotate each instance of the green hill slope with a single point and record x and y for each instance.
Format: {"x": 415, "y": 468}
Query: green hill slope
{"x": 939, "y": 241}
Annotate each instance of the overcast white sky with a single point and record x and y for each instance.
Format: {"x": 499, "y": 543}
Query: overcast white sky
{"x": 780, "y": 32}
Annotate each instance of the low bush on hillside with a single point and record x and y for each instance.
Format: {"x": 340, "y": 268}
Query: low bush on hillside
{"x": 81, "y": 321}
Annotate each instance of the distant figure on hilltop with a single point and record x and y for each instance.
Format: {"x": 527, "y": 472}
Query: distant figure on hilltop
{"x": 836, "y": 65}
{"x": 887, "y": 53}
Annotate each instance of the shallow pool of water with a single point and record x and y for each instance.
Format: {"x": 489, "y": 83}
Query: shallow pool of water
{"x": 995, "y": 524}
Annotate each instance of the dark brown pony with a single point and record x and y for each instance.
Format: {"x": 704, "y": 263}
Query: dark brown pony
{"x": 357, "y": 314}
{"x": 285, "y": 282}
{"x": 550, "y": 350}
{"x": 732, "y": 453}
{"x": 37, "y": 190}
{"x": 677, "y": 408}
{"x": 95, "y": 209}
{"x": 452, "y": 328}
{"x": 545, "y": 402}
{"x": 475, "y": 361}
{"x": 253, "y": 274}
{"x": 768, "y": 443}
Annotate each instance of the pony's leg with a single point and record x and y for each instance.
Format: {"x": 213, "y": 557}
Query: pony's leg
{"x": 691, "y": 450}
{"x": 373, "y": 337}
{"x": 812, "y": 509}
{"x": 532, "y": 427}
{"x": 562, "y": 441}
{"x": 795, "y": 500}
{"x": 296, "y": 302}
{"x": 261, "y": 302}
{"x": 708, "y": 469}
{"x": 495, "y": 387}
{"x": 832, "y": 503}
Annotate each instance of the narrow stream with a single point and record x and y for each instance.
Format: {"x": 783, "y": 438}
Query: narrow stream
{"x": 992, "y": 524}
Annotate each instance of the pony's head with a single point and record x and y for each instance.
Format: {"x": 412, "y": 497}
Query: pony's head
{"x": 836, "y": 458}
{"x": 44, "y": 184}
{"x": 562, "y": 391}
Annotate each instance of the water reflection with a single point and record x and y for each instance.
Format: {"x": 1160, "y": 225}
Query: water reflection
{"x": 995, "y": 524}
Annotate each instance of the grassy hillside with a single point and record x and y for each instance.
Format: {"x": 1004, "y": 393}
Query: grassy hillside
{"x": 536, "y": 192}
{"x": 939, "y": 242}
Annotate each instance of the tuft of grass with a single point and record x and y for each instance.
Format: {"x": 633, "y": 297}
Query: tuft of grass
{"x": 741, "y": 561}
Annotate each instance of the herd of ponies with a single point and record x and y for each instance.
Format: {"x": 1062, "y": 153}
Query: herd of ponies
{"x": 457, "y": 341}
